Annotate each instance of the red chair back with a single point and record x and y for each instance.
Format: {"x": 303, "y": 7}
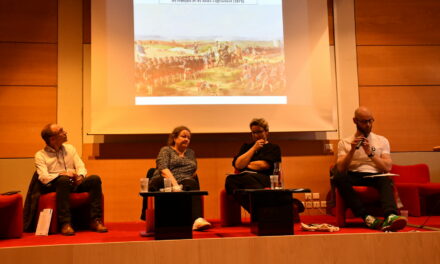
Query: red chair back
{"x": 418, "y": 173}
{"x": 11, "y": 216}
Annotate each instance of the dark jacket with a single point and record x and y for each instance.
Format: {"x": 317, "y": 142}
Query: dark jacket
{"x": 31, "y": 204}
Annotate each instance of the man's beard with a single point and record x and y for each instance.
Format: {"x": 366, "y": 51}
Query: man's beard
{"x": 365, "y": 132}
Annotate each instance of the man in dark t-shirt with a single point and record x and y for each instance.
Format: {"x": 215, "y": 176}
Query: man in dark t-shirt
{"x": 255, "y": 161}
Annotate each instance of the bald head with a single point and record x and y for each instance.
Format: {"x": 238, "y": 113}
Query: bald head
{"x": 363, "y": 118}
{"x": 362, "y": 112}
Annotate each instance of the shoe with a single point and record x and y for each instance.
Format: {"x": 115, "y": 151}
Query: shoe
{"x": 67, "y": 230}
{"x": 98, "y": 226}
{"x": 373, "y": 222}
{"x": 201, "y": 224}
{"x": 394, "y": 223}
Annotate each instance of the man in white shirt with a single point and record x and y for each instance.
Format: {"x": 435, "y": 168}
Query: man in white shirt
{"x": 366, "y": 154}
{"x": 61, "y": 170}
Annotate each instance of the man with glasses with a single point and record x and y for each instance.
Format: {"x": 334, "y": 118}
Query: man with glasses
{"x": 61, "y": 170}
{"x": 366, "y": 154}
{"x": 255, "y": 162}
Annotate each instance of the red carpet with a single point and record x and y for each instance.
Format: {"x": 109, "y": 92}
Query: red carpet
{"x": 121, "y": 232}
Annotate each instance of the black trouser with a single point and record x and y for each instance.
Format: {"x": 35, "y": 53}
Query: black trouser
{"x": 63, "y": 187}
{"x": 346, "y": 180}
{"x": 245, "y": 181}
{"x": 189, "y": 184}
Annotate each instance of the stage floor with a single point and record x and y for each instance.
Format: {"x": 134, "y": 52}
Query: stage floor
{"x": 123, "y": 232}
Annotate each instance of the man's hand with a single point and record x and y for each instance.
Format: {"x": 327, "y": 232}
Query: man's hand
{"x": 259, "y": 144}
{"x": 74, "y": 178}
{"x": 366, "y": 146}
{"x": 77, "y": 179}
{"x": 356, "y": 141}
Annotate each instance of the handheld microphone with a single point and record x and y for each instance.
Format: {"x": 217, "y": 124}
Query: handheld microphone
{"x": 358, "y": 145}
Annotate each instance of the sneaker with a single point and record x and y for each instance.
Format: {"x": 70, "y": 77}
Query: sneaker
{"x": 201, "y": 224}
{"x": 394, "y": 223}
{"x": 373, "y": 222}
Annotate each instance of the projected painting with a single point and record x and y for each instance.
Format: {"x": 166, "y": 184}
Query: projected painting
{"x": 209, "y": 49}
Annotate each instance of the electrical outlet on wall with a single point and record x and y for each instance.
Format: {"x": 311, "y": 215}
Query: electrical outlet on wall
{"x": 315, "y": 196}
{"x": 308, "y": 196}
{"x": 316, "y": 204}
{"x": 309, "y": 205}
{"x": 323, "y": 204}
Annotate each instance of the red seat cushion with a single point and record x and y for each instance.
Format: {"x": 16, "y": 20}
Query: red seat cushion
{"x": 7, "y": 200}
{"x": 367, "y": 194}
{"x": 429, "y": 188}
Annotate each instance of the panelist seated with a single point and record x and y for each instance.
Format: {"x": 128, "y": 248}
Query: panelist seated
{"x": 258, "y": 156}
{"x": 178, "y": 163}
{"x": 360, "y": 157}
{"x": 61, "y": 170}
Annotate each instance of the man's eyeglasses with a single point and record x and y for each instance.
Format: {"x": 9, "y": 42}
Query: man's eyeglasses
{"x": 60, "y": 132}
{"x": 365, "y": 121}
{"x": 257, "y": 132}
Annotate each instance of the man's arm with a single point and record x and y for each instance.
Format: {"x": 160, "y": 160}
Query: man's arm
{"x": 80, "y": 169}
{"x": 383, "y": 162}
{"x": 244, "y": 160}
{"x": 268, "y": 157}
{"x": 258, "y": 165}
{"x": 43, "y": 173}
{"x": 345, "y": 157}
{"x": 79, "y": 165}
{"x": 344, "y": 161}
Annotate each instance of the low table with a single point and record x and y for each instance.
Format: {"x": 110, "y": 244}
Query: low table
{"x": 173, "y": 213}
{"x": 271, "y": 210}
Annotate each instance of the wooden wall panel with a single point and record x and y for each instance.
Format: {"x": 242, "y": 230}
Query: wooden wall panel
{"x": 398, "y": 50}
{"x": 398, "y": 65}
{"x": 29, "y": 21}
{"x": 28, "y": 73}
{"x": 28, "y": 64}
{"x": 23, "y": 112}
{"x": 409, "y": 116}
{"x": 87, "y": 20}
{"x": 331, "y": 27}
{"x": 397, "y": 22}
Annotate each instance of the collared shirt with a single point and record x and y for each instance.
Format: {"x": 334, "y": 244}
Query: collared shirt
{"x": 50, "y": 163}
{"x": 361, "y": 162}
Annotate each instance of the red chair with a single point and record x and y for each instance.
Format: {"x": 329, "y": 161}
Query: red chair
{"x": 11, "y": 216}
{"x": 79, "y": 204}
{"x": 368, "y": 195}
{"x": 416, "y": 189}
{"x": 230, "y": 210}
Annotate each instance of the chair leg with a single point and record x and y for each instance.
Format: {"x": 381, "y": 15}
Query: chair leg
{"x": 230, "y": 210}
{"x": 340, "y": 210}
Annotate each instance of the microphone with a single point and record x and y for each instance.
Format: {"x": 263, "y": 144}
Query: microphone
{"x": 358, "y": 145}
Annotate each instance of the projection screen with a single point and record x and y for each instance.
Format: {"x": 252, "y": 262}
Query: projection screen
{"x": 211, "y": 65}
